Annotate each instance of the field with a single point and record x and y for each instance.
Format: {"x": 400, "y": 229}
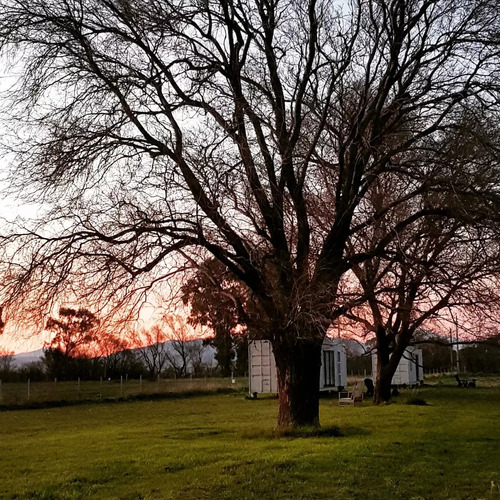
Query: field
{"x": 40, "y": 393}
{"x": 222, "y": 446}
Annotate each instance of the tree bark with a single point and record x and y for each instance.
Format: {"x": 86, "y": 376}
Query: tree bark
{"x": 298, "y": 369}
{"x": 387, "y": 363}
{"x": 383, "y": 382}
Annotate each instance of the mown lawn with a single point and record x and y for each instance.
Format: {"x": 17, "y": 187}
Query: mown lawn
{"x": 222, "y": 446}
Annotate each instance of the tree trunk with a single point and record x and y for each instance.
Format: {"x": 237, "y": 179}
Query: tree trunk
{"x": 298, "y": 370}
{"x": 383, "y": 382}
{"x": 387, "y": 364}
{"x": 224, "y": 355}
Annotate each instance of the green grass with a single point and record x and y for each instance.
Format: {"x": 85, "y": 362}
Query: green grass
{"x": 223, "y": 446}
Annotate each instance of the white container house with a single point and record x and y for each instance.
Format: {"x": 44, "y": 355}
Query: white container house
{"x": 410, "y": 370}
{"x": 262, "y": 367}
{"x": 333, "y": 374}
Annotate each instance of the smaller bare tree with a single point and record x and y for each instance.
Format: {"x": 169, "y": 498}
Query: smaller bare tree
{"x": 184, "y": 354}
{"x": 153, "y": 352}
{"x": 114, "y": 352}
{"x": 435, "y": 265}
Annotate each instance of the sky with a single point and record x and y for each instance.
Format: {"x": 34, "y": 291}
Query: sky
{"x": 10, "y": 209}
{"x": 10, "y": 340}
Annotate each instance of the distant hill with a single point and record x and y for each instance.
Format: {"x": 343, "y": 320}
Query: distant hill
{"x": 24, "y": 358}
{"x": 355, "y": 348}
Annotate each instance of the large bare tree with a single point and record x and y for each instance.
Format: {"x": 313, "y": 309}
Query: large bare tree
{"x": 214, "y": 127}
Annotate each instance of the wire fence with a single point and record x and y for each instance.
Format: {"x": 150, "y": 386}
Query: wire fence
{"x": 25, "y": 393}
{"x": 427, "y": 371}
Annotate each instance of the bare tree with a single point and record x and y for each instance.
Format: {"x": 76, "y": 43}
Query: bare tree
{"x": 153, "y": 352}
{"x": 435, "y": 264}
{"x": 195, "y": 350}
{"x": 213, "y": 128}
{"x": 186, "y": 347}
{"x": 111, "y": 348}
{"x": 178, "y": 335}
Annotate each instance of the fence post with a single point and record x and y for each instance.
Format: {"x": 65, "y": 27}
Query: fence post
{"x": 29, "y": 389}
{"x": 0, "y": 389}
{"x": 79, "y": 392}
{"x": 140, "y": 382}
{"x": 121, "y": 385}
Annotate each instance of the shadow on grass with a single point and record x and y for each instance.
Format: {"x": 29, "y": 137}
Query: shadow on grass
{"x": 353, "y": 431}
{"x": 295, "y": 433}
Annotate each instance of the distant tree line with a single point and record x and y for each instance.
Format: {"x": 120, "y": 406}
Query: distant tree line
{"x": 81, "y": 348}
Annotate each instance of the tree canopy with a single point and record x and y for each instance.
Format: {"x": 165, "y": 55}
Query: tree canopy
{"x": 218, "y": 301}
{"x": 74, "y": 329}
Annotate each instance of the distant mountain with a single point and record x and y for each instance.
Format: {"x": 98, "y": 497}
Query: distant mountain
{"x": 24, "y": 358}
{"x": 208, "y": 356}
{"x": 355, "y": 348}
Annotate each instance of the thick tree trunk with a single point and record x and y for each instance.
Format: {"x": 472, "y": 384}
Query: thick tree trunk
{"x": 298, "y": 370}
{"x": 383, "y": 382}
{"x": 383, "y": 376}
{"x": 387, "y": 364}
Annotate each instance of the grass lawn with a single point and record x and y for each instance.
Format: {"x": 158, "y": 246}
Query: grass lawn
{"x": 222, "y": 446}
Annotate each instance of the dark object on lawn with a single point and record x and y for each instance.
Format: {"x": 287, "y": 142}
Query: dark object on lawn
{"x": 417, "y": 402}
{"x": 370, "y": 389}
{"x": 463, "y": 382}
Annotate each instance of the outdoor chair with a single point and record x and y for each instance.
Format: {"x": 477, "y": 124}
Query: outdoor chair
{"x": 351, "y": 398}
{"x": 463, "y": 382}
